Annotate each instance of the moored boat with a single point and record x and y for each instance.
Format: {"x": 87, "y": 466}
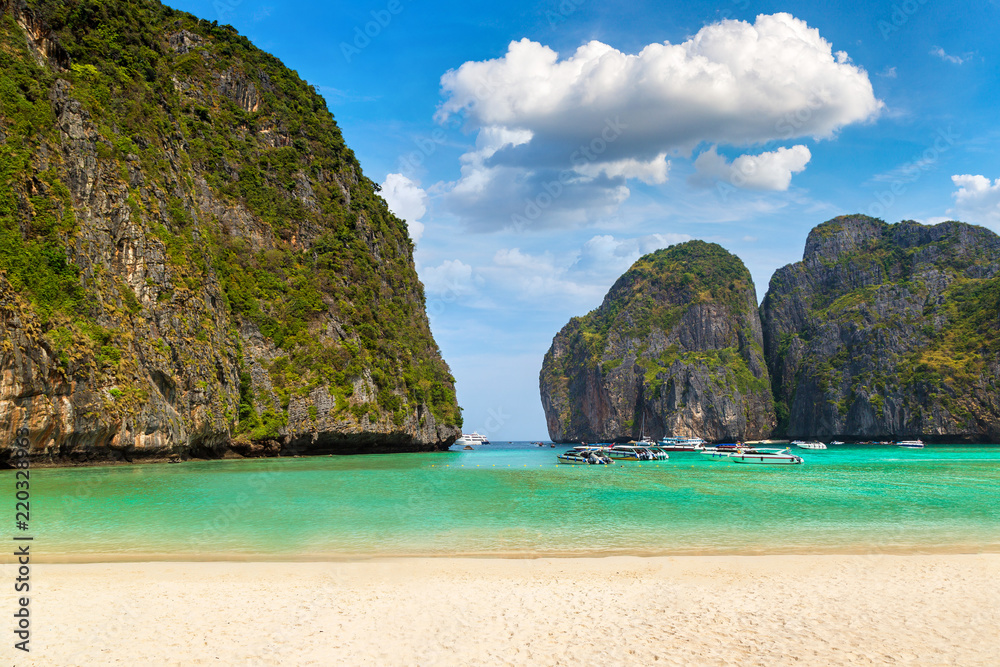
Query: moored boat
{"x": 636, "y": 452}
{"x": 808, "y": 444}
{"x": 585, "y": 455}
{"x": 472, "y": 439}
{"x": 671, "y": 443}
{"x": 719, "y": 451}
{"x": 766, "y": 457}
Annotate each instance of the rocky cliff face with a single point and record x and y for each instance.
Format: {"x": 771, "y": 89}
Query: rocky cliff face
{"x": 887, "y": 331}
{"x": 191, "y": 261}
{"x": 674, "y": 349}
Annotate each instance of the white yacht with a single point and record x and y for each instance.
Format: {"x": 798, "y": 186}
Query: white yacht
{"x": 472, "y": 439}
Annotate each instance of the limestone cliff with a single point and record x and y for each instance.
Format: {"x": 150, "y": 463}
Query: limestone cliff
{"x": 191, "y": 260}
{"x": 675, "y": 348}
{"x": 887, "y": 331}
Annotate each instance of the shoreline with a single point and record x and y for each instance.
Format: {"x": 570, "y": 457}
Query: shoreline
{"x": 103, "y": 558}
{"x": 232, "y": 455}
{"x": 623, "y": 610}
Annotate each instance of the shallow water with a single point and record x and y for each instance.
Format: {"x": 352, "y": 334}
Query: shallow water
{"x": 514, "y": 500}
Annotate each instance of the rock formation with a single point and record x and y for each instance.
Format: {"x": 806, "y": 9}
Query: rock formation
{"x": 191, "y": 260}
{"x": 674, "y": 349}
{"x": 887, "y": 331}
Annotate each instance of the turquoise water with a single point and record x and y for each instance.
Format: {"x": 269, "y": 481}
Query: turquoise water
{"x": 515, "y": 500}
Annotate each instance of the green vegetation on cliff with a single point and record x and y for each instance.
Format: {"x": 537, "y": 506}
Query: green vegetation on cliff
{"x": 682, "y": 324}
{"x": 887, "y": 330}
{"x": 202, "y": 149}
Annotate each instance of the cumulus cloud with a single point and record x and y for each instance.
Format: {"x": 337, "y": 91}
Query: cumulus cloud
{"x": 767, "y": 171}
{"x": 977, "y": 200}
{"x": 407, "y": 201}
{"x": 600, "y": 117}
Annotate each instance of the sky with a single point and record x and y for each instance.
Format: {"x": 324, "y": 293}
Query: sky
{"x": 536, "y": 150}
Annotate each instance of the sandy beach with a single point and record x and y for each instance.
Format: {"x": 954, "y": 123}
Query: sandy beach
{"x": 725, "y": 610}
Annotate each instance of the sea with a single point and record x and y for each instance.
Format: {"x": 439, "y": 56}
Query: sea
{"x": 514, "y": 500}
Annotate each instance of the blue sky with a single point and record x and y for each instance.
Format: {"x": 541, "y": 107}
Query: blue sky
{"x": 538, "y": 149}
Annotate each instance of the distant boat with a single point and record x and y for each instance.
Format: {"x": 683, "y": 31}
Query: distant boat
{"x": 472, "y": 439}
{"x": 913, "y": 444}
{"x": 765, "y": 457}
{"x": 812, "y": 444}
{"x": 836, "y": 442}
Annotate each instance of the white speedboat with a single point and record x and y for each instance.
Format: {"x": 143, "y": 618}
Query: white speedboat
{"x": 583, "y": 455}
{"x": 811, "y": 444}
{"x": 672, "y": 443}
{"x": 836, "y": 442}
{"x": 766, "y": 457}
{"x": 472, "y": 439}
{"x": 913, "y": 444}
{"x": 719, "y": 451}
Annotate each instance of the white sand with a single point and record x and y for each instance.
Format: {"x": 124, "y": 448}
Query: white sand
{"x": 742, "y": 610}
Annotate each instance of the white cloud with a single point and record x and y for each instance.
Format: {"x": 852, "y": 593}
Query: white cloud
{"x": 600, "y": 117}
{"x": 580, "y": 277}
{"x": 407, "y": 201}
{"x": 653, "y": 172}
{"x": 767, "y": 171}
{"x": 954, "y": 60}
{"x": 935, "y": 219}
{"x": 977, "y": 200}
{"x": 608, "y": 255}
{"x": 451, "y": 279}
{"x": 888, "y": 73}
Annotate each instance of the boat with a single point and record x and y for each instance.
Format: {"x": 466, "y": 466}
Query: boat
{"x": 671, "y": 443}
{"x": 836, "y": 442}
{"x": 765, "y": 456}
{"x": 913, "y": 444}
{"x": 659, "y": 454}
{"x": 810, "y": 444}
{"x": 636, "y": 451}
{"x": 472, "y": 439}
{"x": 585, "y": 455}
{"x": 720, "y": 451}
